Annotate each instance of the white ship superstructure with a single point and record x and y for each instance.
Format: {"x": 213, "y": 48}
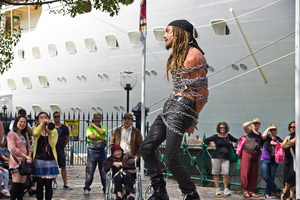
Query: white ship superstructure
{"x": 74, "y": 64}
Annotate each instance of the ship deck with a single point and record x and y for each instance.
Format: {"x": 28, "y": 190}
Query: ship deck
{"x": 76, "y": 176}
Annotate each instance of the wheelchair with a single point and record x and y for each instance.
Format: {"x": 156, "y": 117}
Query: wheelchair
{"x": 110, "y": 190}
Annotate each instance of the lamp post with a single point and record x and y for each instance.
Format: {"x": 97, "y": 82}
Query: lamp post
{"x": 128, "y": 80}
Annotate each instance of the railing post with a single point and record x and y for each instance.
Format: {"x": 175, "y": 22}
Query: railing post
{"x": 184, "y": 150}
{"x": 203, "y": 165}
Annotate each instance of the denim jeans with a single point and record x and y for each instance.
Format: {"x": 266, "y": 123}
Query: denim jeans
{"x": 268, "y": 171}
{"x": 94, "y": 158}
{"x": 160, "y": 132}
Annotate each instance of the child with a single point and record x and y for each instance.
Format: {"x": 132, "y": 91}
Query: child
{"x": 123, "y": 171}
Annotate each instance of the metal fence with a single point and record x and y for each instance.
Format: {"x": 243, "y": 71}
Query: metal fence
{"x": 196, "y": 157}
{"x": 76, "y": 150}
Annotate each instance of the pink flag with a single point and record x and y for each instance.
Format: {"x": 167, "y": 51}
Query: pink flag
{"x": 143, "y": 20}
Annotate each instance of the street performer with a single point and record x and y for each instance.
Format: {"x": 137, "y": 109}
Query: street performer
{"x": 188, "y": 68}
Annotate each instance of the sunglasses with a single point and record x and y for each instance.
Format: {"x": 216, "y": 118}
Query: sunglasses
{"x": 222, "y": 128}
{"x": 272, "y": 129}
{"x": 56, "y": 116}
{"x": 292, "y": 127}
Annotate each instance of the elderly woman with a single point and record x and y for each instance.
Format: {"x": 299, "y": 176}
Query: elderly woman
{"x": 45, "y": 156}
{"x": 220, "y": 156}
{"x": 250, "y": 158}
{"x": 19, "y": 146}
{"x": 267, "y": 163}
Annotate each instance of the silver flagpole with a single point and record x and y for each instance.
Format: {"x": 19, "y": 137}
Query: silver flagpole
{"x": 143, "y": 101}
{"x": 297, "y": 95}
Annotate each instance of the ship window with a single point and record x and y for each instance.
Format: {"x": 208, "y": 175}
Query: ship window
{"x": 159, "y": 34}
{"x": 19, "y": 107}
{"x": 26, "y": 82}
{"x": 52, "y": 50}
{"x": 43, "y": 81}
{"x": 235, "y": 67}
{"x": 90, "y": 44}
{"x": 11, "y": 84}
{"x": 112, "y": 41}
{"x": 220, "y": 27}
{"x": 243, "y": 66}
{"x": 36, "y": 108}
{"x": 70, "y": 46}
{"x": 21, "y": 54}
{"x": 36, "y": 52}
{"x": 55, "y": 107}
{"x": 134, "y": 37}
{"x": 64, "y": 79}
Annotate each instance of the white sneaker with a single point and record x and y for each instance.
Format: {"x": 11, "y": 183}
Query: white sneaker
{"x": 218, "y": 192}
{"x": 227, "y": 192}
{"x": 86, "y": 192}
{"x": 54, "y": 186}
{"x": 5, "y": 192}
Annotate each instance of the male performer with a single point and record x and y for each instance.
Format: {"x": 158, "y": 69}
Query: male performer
{"x": 180, "y": 112}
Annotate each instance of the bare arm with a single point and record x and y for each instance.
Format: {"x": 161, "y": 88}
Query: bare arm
{"x": 288, "y": 143}
{"x": 67, "y": 138}
{"x": 246, "y": 126}
{"x": 96, "y": 138}
{"x": 265, "y": 133}
{"x": 99, "y": 130}
{"x": 195, "y": 58}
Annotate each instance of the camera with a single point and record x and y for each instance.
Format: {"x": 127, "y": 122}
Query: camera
{"x": 50, "y": 126}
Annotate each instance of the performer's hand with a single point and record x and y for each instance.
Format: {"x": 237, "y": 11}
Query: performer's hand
{"x": 191, "y": 130}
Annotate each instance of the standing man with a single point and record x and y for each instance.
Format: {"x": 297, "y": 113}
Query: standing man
{"x": 128, "y": 137}
{"x": 188, "y": 68}
{"x": 96, "y": 153}
{"x": 63, "y": 139}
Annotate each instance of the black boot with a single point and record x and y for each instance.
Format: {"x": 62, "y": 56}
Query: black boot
{"x": 160, "y": 193}
{"x": 193, "y": 196}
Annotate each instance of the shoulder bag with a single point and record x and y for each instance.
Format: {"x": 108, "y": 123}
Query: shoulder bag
{"x": 24, "y": 167}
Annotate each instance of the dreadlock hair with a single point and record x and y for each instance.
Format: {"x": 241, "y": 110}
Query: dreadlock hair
{"x": 180, "y": 47}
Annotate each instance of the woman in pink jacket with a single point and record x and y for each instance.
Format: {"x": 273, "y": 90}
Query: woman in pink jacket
{"x": 19, "y": 146}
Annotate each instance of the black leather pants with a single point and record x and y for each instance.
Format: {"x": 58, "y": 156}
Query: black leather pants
{"x": 160, "y": 132}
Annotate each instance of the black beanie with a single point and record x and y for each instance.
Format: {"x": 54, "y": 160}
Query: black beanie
{"x": 188, "y": 27}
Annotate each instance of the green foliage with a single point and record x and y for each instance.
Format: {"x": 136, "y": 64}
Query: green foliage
{"x": 75, "y": 7}
{"x": 69, "y": 7}
{"x": 7, "y": 42}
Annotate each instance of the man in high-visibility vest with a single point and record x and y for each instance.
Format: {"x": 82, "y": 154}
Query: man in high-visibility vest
{"x": 96, "y": 143}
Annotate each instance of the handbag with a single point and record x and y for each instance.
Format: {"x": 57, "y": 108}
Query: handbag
{"x": 24, "y": 167}
{"x": 240, "y": 145}
{"x": 279, "y": 154}
{"x": 232, "y": 154}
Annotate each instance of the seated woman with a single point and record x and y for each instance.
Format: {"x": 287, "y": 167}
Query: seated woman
{"x": 117, "y": 161}
{"x": 4, "y": 179}
{"x": 4, "y": 154}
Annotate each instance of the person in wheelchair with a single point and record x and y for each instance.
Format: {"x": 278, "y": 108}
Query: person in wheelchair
{"x": 123, "y": 171}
